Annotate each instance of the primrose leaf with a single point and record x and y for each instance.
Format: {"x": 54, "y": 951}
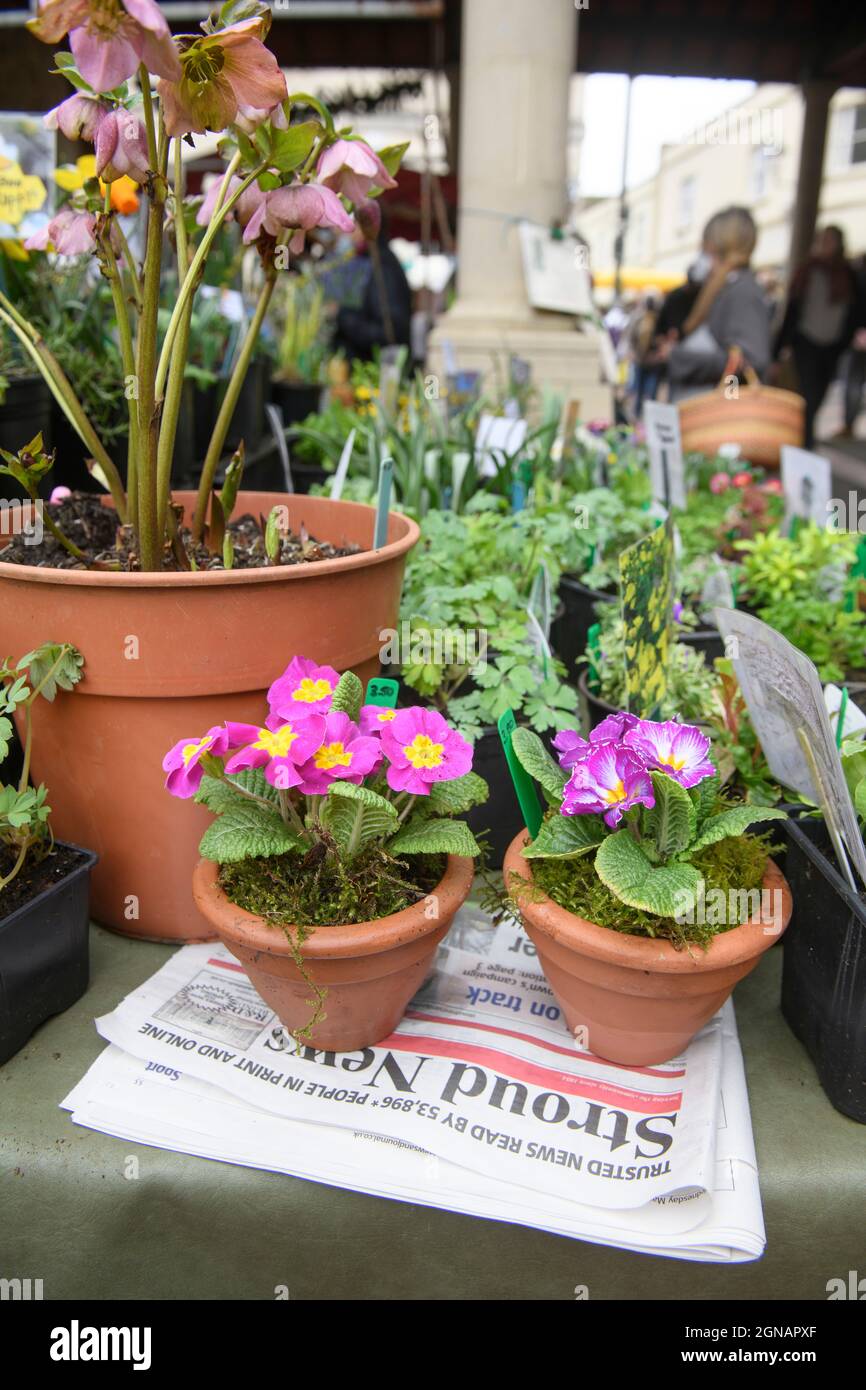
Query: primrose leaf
{"x": 623, "y": 868}
{"x": 672, "y": 822}
{"x": 247, "y": 831}
{"x": 459, "y": 795}
{"x": 535, "y": 758}
{"x": 356, "y": 816}
{"x": 735, "y": 821}
{"x": 565, "y": 837}
{"x": 348, "y": 695}
{"x": 435, "y": 837}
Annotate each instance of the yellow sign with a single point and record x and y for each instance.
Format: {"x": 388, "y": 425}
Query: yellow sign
{"x": 20, "y": 193}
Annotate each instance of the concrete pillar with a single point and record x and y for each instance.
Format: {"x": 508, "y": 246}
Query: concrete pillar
{"x": 516, "y": 65}
{"x": 816, "y": 111}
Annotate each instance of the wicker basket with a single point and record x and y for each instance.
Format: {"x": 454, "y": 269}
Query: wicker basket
{"x": 758, "y": 418}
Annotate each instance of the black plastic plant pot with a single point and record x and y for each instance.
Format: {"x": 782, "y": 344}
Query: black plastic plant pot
{"x": 570, "y": 629}
{"x": 500, "y": 815}
{"x": 44, "y": 956}
{"x": 824, "y": 967}
{"x": 25, "y": 412}
{"x": 596, "y": 708}
{"x": 707, "y": 640}
{"x": 296, "y": 399}
{"x": 248, "y": 421}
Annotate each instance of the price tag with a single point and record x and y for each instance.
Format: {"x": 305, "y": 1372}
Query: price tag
{"x": 667, "y": 470}
{"x": 383, "y": 691}
{"x": 527, "y": 796}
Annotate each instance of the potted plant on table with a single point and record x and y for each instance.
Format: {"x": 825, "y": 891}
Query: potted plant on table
{"x": 302, "y": 349}
{"x": 334, "y": 864}
{"x": 163, "y": 641}
{"x": 644, "y": 896}
{"x": 44, "y": 885}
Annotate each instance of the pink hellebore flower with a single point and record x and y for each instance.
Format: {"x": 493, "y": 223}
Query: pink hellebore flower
{"x": 278, "y": 751}
{"x": 374, "y": 718}
{"x": 608, "y": 782}
{"x": 421, "y": 749}
{"x": 680, "y": 750}
{"x": 69, "y": 233}
{"x": 222, "y": 73}
{"x": 60, "y": 493}
{"x": 78, "y": 117}
{"x": 243, "y": 209}
{"x": 302, "y": 686}
{"x": 345, "y": 755}
{"x": 299, "y": 208}
{"x": 742, "y": 479}
{"x": 121, "y": 147}
{"x": 183, "y": 761}
{"x": 110, "y": 38}
{"x": 351, "y": 167}
{"x": 720, "y": 482}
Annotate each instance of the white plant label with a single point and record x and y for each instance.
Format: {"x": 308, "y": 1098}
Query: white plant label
{"x": 785, "y": 698}
{"x": 667, "y": 470}
{"x": 497, "y": 436}
{"x": 807, "y": 485}
{"x": 342, "y": 468}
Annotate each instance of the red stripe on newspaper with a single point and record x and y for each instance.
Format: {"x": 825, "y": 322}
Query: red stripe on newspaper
{"x": 547, "y": 1046}
{"x": 534, "y": 1075}
{"x": 227, "y": 965}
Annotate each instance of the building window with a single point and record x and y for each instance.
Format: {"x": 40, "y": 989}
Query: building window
{"x": 686, "y": 203}
{"x": 848, "y": 138}
{"x": 858, "y": 136}
{"x": 759, "y": 173}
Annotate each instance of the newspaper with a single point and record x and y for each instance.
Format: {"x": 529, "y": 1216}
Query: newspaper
{"x": 480, "y": 1102}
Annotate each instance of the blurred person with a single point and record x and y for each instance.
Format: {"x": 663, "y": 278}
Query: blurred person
{"x": 642, "y": 344}
{"x": 823, "y": 311}
{"x": 384, "y": 315}
{"x": 855, "y": 364}
{"x": 729, "y": 312}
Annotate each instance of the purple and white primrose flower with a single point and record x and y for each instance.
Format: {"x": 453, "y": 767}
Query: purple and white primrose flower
{"x": 183, "y": 762}
{"x": 571, "y": 748}
{"x": 680, "y": 750}
{"x": 608, "y": 782}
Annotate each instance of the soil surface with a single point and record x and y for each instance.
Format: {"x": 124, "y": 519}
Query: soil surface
{"x": 93, "y": 528}
{"x": 35, "y": 876}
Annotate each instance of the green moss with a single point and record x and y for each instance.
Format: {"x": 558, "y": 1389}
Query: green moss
{"x": 736, "y": 864}
{"x": 320, "y": 890}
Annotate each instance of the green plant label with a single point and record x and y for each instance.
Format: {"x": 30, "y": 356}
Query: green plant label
{"x": 381, "y": 690}
{"x": 646, "y": 571}
{"x": 527, "y": 796}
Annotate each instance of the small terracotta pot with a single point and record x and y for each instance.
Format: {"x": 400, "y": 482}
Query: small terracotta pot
{"x": 370, "y": 970}
{"x": 641, "y": 1001}
{"x": 167, "y": 656}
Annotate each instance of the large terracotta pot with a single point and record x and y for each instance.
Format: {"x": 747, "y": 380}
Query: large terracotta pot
{"x": 641, "y": 1001}
{"x": 370, "y": 970}
{"x": 166, "y": 657}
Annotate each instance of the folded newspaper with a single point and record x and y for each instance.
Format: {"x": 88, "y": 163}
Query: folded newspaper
{"x": 480, "y": 1102}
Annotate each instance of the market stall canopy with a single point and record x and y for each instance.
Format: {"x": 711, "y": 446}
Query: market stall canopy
{"x": 636, "y": 278}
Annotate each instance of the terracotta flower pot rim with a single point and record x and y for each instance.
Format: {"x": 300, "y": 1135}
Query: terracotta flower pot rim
{"x": 643, "y": 953}
{"x": 277, "y": 574}
{"x": 339, "y": 941}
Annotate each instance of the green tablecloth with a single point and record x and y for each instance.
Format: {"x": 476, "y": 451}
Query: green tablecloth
{"x": 191, "y": 1228}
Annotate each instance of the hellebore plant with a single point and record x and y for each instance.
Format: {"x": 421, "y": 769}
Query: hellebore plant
{"x": 328, "y": 775}
{"x": 643, "y": 798}
{"x": 24, "y": 828}
{"x": 281, "y": 180}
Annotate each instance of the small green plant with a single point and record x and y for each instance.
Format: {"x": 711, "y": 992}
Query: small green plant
{"x": 691, "y": 685}
{"x": 24, "y": 828}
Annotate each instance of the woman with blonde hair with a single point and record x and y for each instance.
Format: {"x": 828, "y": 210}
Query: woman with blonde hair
{"x": 729, "y": 325}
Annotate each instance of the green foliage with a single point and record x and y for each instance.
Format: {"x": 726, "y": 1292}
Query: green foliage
{"x": 348, "y": 695}
{"x": 538, "y": 762}
{"x": 565, "y": 837}
{"x": 691, "y": 685}
{"x": 435, "y": 837}
{"x": 624, "y": 868}
{"x": 459, "y": 795}
{"x": 672, "y": 822}
{"x": 53, "y": 666}
{"x": 246, "y": 830}
{"x": 357, "y": 816}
